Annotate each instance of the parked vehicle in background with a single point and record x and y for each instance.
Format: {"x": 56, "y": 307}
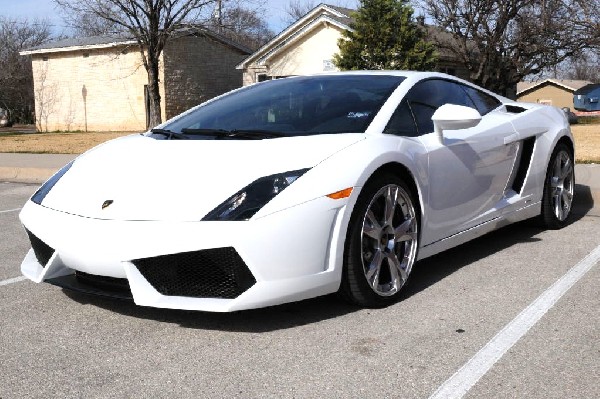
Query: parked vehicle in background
{"x": 587, "y": 98}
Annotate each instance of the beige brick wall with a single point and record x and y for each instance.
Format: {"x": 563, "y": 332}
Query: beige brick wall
{"x": 251, "y": 73}
{"x": 549, "y": 94}
{"x": 198, "y": 68}
{"x": 113, "y": 79}
{"x": 312, "y": 53}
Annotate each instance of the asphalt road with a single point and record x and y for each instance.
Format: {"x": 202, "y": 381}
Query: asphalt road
{"x": 59, "y": 344}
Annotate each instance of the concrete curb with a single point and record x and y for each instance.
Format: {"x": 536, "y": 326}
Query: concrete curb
{"x": 31, "y": 168}
{"x": 25, "y": 175}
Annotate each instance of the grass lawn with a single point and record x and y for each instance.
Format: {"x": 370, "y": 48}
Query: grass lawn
{"x": 587, "y": 142}
{"x": 54, "y": 143}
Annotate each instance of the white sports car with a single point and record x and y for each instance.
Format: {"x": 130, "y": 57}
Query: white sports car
{"x": 299, "y": 187}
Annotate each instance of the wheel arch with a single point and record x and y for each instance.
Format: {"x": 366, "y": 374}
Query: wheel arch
{"x": 399, "y": 169}
{"x": 402, "y": 171}
{"x": 566, "y": 140}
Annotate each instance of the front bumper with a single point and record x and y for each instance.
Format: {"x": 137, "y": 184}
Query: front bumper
{"x": 289, "y": 255}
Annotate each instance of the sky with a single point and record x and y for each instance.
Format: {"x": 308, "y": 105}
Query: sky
{"x": 31, "y": 9}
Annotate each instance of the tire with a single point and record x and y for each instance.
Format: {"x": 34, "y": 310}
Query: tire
{"x": 381, "y": 243}
{"x": 559, "y": 189}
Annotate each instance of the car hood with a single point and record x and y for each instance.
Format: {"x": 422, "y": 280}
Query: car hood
{"x": 179, "y": 180}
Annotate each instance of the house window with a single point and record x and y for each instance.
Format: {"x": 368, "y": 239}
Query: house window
{"x": 85, "y": 55}
{"x": 44, "y": 58}
{"x": 261, "y": 77}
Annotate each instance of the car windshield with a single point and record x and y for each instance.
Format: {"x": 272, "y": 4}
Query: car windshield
{"x": 288, "y": 107}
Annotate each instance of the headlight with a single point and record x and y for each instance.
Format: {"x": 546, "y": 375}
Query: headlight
{"x": 41, "y": 193}
{"x": 249, "y": 200}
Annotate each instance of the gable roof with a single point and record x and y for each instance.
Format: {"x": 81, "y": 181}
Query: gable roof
{"x": 338, "y": 16}
{"x": 569, "y": 85}
{"x": 587, "y": 89}
{"x": 80, "y": 43}
{"x": 107, "y": 41}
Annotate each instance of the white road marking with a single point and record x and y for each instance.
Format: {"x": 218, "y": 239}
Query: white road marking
{"x": 11, "y": 210}
{"x": 13, "y": 280}
{"x": 459, "y": 384}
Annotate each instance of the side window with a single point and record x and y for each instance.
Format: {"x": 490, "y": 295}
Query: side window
{"x": 402, "y": 123}
{"x": 423, "y": 114}
{"x": 427, "y": 96}
{"x": 437, "y": 92}
{"x": 483, "y": 101}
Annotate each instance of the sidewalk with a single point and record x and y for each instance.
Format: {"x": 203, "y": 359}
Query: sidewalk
{"x": 37, "y": 168}
{"x": 31, "y": 168}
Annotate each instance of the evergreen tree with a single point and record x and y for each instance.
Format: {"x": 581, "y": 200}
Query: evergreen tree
{"x": 385, "y": 36}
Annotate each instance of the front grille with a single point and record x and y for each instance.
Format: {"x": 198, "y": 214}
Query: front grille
{"x": 210, "y": 273}
{"x": 43, "y": 252}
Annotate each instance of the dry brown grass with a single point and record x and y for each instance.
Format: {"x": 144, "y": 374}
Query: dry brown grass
{"x": 587, "y": 142}
{"x": 54, "y": 143}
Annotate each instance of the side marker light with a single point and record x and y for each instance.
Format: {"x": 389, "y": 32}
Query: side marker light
{"x": 345, "y": 193}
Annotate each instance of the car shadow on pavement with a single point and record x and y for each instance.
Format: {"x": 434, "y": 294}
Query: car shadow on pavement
{"x": 267, "y": 319}
{"x": 431, "y": 270}
{"x": 425, "y": 274}
{"x": 584, "y": 201}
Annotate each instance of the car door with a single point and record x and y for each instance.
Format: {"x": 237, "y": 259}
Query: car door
{"x": 468, "y": 172}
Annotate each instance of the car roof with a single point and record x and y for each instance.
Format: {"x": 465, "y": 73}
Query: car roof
{"x": 386, "y": 72}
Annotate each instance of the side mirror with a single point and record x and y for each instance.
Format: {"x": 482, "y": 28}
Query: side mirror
{"x": 454, "y": 117}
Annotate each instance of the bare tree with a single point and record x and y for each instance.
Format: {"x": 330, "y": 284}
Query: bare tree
{"x": 502, "y": 41}
{"x": 16, "y": 80}
{"x": 296, "y": 9}
{"x": 45, "y": 97}
{"x": 584, "y": 67}
{"x": 243, "y": 25}
{"x": 86, "y": 24}
{"x": 150, "y": 22}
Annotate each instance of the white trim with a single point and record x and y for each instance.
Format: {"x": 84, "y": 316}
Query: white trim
{"x": 299, "y": 25}
{"x": 78, "y": 48}
{"x": 556, "y": 82}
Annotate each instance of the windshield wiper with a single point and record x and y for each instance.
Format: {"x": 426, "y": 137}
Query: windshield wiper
{"x": 235, "y": 133}
{"x": 170, "y": 135}
{"x": 267, "y": 134}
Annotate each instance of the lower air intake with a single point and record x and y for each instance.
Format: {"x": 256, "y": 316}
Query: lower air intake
{"x": 210, "y": 273}
{"x": 43, "y": 252}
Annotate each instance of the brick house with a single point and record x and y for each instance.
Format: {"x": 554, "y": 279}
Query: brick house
{"x": 100, "y": 83}
{"x": 550, "y": 91}
{"x": 308, "y": 45}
